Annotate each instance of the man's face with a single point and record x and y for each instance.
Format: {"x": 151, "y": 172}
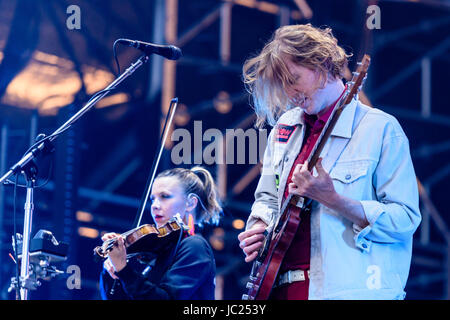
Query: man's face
{"x": 306, "y": 91}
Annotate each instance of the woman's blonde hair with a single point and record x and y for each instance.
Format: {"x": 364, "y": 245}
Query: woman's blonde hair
{"x": 266, "y": 76}
{"x": 199, "y": 182}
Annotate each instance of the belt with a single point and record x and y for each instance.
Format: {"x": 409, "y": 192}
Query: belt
{"x": 291, "y": 276}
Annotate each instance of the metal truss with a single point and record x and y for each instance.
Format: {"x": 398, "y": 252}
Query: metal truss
{"x": 429, "y": 211}
{"x": 430, "y": 214}
{"x": 163, "y": 81}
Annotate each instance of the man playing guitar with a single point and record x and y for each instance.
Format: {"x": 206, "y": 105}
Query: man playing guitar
{"x": 355, "y": 241}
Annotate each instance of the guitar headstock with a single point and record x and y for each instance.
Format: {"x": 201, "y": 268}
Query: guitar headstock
{"x": 358, "y": 78}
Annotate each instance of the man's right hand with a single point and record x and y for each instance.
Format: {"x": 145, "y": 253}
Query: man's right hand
{"x": 251, "y": 240}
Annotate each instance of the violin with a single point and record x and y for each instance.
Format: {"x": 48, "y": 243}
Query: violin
{"x": 148, "y": 238}
{"x": 145, "y": 238}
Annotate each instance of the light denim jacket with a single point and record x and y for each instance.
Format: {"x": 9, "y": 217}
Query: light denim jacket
{"x": 368, "y": 158}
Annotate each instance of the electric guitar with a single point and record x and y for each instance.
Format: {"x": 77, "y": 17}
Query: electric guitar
{"x": 266, "y": 266}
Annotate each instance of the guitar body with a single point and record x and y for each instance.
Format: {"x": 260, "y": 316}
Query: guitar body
{"x": 265, "y": 272}
{"x": 267, "y": 265}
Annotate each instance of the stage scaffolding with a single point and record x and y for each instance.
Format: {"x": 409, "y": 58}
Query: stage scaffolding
{"x": 431, "y": 257}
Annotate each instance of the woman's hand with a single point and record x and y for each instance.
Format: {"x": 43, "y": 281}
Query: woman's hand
{"x": 252, "y": 240}
{"x": 110, "y": 268}
{"x": 117, "y": 257}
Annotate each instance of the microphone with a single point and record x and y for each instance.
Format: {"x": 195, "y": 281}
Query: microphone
{"x": 167, "y": 51}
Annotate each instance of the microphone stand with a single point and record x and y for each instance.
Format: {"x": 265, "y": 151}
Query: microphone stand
{"x": 28, "y": 167}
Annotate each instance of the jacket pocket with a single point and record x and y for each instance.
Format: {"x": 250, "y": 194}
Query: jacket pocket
{"x": 349, "y": 172}
{"x": 352, "y": 179}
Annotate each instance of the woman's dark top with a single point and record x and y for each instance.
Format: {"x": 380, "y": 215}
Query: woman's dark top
{"x": 185, "y": 274}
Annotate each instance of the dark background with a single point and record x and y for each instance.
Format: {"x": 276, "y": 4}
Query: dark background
{"x": 101, "y": 165}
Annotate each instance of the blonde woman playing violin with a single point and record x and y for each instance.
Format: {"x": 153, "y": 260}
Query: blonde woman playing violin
{"x": 187, "y": 270}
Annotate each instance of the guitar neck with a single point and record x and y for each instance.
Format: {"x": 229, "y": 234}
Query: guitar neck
{"x": 351, "y": 90}
{"x": 320, "y": 144}
{"x": 326, "y": 131}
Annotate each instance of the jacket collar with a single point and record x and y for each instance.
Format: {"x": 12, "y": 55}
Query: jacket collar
{"x": 343, "y": 127}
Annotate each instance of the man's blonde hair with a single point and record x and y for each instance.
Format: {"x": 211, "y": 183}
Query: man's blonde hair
{"x": 266, "y": 76}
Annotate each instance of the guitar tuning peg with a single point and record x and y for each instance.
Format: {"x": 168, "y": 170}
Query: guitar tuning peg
{"x": 355, "y": 73}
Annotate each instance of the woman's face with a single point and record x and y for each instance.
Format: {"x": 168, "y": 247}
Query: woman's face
{"x": 167, "y": 200}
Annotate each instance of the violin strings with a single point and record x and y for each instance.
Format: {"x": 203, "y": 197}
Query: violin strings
{"x": 113, "y": 240}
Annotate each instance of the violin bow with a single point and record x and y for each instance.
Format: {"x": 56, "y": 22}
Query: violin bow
{"x": 150, "y": 179}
